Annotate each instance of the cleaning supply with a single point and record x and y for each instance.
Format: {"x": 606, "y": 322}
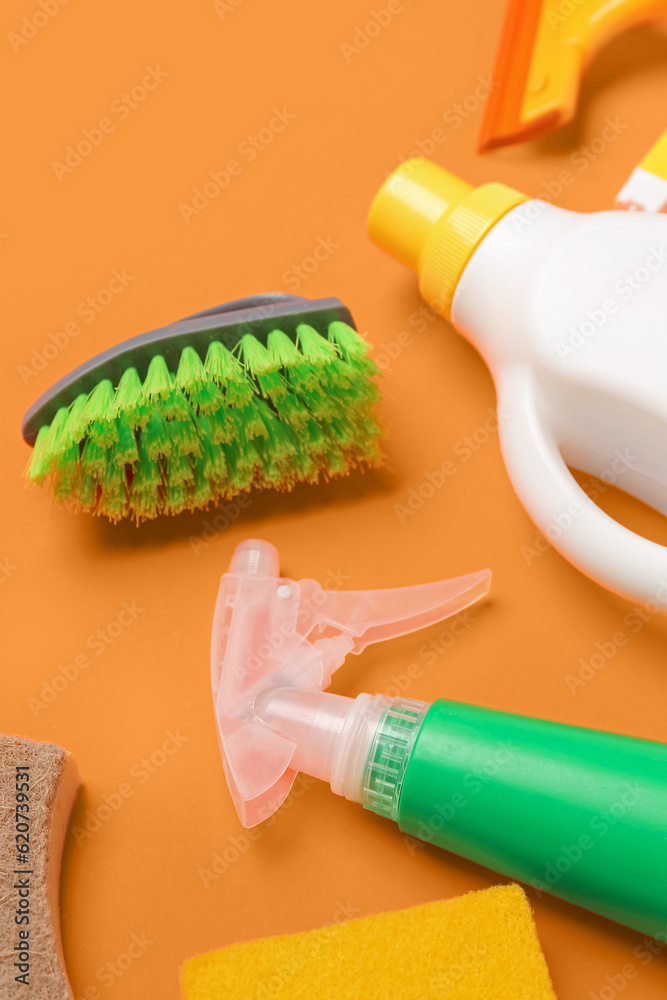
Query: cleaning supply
{"x": 481, "y": 946}
{"x": 575, "y": 812}
{"x": 646, "y": 188}
{"x": 545, "y": 49}
{"x": 567, "y": 310}
{"x": 38, "y": 786}
{"x": 261, "y": 392}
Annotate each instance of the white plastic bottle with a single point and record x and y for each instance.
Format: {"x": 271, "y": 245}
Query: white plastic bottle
{"x": 569, "y": 311}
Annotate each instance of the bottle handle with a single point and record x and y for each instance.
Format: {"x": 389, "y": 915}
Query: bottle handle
{"x": 585, "y": 535}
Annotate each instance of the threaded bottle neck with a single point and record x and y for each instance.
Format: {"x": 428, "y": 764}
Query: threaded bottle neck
{"x": 389, "y": 755}
{"x": 373, "y": 752}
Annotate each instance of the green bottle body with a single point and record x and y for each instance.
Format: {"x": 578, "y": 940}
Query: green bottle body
{"x": 575, "y": 812}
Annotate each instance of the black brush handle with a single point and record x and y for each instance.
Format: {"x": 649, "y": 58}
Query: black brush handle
{"x": 255, "y": 314}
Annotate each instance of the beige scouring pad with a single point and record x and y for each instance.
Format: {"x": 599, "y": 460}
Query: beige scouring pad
{"x": 38, "y": 786}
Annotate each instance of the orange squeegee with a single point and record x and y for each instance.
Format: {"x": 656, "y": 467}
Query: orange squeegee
{"x": 545, "y": 49}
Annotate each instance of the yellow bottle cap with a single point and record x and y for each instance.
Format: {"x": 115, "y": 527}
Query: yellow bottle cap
{"x": 433, "y": 221}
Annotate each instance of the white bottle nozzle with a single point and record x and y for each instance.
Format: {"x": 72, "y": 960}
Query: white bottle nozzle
{"x": 276, "y": 642}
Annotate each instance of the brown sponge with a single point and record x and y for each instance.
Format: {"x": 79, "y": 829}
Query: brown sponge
{"x": 38, "y": 786}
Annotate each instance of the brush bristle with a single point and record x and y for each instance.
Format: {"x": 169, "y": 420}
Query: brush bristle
{"x": 256, "y": 417}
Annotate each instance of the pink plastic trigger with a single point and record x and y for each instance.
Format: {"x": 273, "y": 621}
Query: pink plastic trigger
{"x": 376, "y": 615}
{"x": 276, "y": 643}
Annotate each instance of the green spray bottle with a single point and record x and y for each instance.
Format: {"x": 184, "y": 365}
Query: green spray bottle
{"x": 575, "y": 812}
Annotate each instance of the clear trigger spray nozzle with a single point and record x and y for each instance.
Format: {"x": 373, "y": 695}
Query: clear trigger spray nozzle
{"x": 276, "y": 644}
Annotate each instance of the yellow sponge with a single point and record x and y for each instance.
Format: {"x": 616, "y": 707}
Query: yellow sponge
{"x": 481, "y": 946}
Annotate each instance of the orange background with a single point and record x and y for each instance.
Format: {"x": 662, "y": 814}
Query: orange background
{"x": 65, "y": 576}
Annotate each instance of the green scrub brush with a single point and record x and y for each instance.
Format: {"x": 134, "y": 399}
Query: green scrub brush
{"x": 261, "y": 392}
